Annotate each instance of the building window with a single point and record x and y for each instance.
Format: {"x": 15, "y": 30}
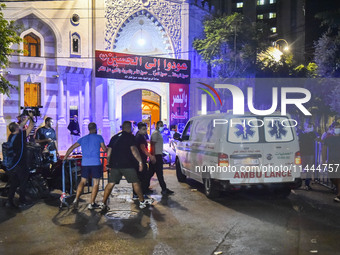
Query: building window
{"x": 32, "y": 45}
{"x": 260, "y": 16}
{"x": 272, "y": 15}
{"x": 273, "y": 29}
{"x": 32, "y": 95}
{"x": 239, "y": 5}
{"x": 272, "y": 1}
{"x": 75, "y": 44}
{"x": 260, "y": 2}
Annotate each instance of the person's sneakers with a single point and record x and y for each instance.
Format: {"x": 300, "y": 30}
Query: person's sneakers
{"x": 104, "y": 208}
{"x": 308, "y": 188}
{"x": 167, "y": 192}
{"x": 147, "y": 201}
{"x": 93, "y": 206}
{"x": 134, "y": 197}
{"x": 75, "y": 204}
{"x": 337, "y": 199}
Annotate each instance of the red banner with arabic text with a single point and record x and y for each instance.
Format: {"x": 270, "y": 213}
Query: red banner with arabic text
{"x": 116, "y": 65}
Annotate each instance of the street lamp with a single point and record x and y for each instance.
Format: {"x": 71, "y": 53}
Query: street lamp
{"x": 286, "y": 48}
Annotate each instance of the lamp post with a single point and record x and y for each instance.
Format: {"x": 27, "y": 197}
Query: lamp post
{"x": 286, "y": 48}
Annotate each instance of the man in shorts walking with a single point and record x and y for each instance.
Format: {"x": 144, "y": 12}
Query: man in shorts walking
{"x": 121, "y": 157}
{"x": 90, "y": 163}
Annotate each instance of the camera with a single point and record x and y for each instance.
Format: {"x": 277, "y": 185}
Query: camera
{"x": 31, "y": 109}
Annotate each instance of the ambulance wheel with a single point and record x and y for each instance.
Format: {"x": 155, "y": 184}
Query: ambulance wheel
{"x": 180, "y": 176}
{"x": 210, "y": 188}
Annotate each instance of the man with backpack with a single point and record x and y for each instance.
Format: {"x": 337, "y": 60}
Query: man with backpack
{"x": 15, "y": 160}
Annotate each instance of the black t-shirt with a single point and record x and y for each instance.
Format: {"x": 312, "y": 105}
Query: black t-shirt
{"x": 74, "y": 128}
{"x": 19, "y": 147}
{"x": 121, "y": 155}
{"x": 307, "y": 143}
{"x": 333, "y": 144}
{"x": 140, "y": 139}
{"x": 45, "y": 133}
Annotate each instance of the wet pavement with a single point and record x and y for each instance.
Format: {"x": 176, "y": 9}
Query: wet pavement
{"x": 307, "y": 222}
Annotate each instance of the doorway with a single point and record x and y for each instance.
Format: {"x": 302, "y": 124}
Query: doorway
{"x": 141, "y": 105}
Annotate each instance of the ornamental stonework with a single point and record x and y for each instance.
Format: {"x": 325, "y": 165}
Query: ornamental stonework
{"x": 167, "y": 13}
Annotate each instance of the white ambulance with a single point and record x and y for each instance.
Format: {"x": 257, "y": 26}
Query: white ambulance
{"x": 225, "y": 151}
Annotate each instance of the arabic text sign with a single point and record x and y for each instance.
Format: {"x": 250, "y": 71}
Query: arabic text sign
{"x": 179, "y": 105}
{"x": 141, "y": 68}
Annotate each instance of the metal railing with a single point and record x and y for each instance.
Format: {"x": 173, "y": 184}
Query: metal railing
{"x": 321, "y": 177}
{"x": 74, "y": 168}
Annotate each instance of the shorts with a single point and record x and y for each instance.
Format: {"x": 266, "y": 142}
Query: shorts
{"x": 93, "y": 171}
{"x": 129, "y": 173}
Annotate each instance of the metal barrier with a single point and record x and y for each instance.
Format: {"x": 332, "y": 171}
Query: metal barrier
{"x": 321, "y": 177}
{"x": 74, "y": 166}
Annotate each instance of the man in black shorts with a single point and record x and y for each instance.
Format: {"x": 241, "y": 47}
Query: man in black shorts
{"x": 90, "y": 163}
{"x": 121, "y": 156}
{"x": 333, "y": 145}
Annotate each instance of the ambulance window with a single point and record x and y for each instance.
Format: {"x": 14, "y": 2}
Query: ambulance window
{"x": 243, "y": 130}
{"x": 277, "y": 129}
{"x": 186, "y": 132}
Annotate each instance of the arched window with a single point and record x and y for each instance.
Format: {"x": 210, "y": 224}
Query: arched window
{"x": 31, "y": 45}
{"x": 75, "y": 45}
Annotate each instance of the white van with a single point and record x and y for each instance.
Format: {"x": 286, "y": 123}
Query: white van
{"x": 225, "y": 151}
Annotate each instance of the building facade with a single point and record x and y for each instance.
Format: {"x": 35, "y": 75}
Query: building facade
{"x": 56, "y": 69}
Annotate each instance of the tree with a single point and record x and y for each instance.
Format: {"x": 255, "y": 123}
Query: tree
{"x": 231, "y": 43}
{"x": 327, "y": 54}
{"x": 8, "y": 37}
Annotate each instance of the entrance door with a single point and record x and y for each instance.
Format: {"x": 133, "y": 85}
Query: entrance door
{"x": 132, "y": 106}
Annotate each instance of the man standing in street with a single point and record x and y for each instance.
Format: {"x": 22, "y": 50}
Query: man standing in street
{"x": 73, "y": 127}
{"x": 47, "y": 138}
{"x": 307, "y": 150}
{"x": 333, "y": 145}
{"x": 18, "y": 172}
{"x": 142, "y": 147}
{"x": 90, "y": 163}
{"x": 157, "y": 151}
{"x": 121, "y": 156}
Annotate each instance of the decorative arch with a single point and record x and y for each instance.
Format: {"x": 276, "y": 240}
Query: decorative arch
{"x": 42, "y": 20}
{"x": 167, "y": 42}
{"x": 166, "y": 13}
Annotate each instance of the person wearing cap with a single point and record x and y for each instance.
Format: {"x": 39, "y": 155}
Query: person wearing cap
{"x": 90, "y": 163}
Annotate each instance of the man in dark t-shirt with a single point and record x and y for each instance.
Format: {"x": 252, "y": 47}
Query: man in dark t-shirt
{"x": 46, "y": 137}
{"x": 18, "y": 172}
{"x": 333, "y": 145}
{"x": 142, "y": 147}
{"x": 121, "y": 157}
{"x": 307, "y": 150}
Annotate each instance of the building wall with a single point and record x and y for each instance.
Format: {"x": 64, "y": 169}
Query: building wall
{"x": 67, "y": 80}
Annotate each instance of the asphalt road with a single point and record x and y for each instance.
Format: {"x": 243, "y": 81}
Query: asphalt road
{"x": 307, "y": 222}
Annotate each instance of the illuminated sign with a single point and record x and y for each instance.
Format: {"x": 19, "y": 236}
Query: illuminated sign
{"x": 115, "y": 65}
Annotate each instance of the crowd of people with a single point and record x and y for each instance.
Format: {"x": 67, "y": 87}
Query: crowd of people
{"x": 128, "y": 156}
{"x": 330, "y": 142}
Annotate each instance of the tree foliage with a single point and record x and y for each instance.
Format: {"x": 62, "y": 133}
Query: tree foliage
{"x": 8, "y": 37}
{"x": 231, "y": 43}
